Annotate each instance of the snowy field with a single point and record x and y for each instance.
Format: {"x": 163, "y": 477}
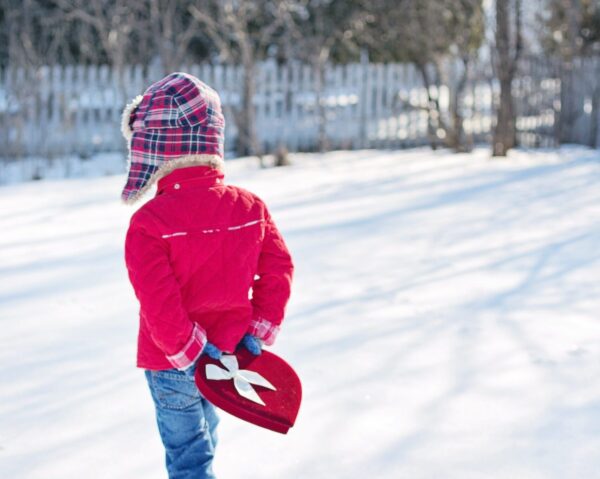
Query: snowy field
{"x": 445, "y": 321}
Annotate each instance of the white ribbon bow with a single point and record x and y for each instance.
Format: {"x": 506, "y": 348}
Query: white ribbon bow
{"x": 242, "y": 378}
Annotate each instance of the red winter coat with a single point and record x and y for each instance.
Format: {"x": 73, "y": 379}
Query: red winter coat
{"x": 194, "y": 252}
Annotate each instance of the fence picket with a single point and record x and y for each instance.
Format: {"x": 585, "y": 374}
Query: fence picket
{"x": 293, "y": 94}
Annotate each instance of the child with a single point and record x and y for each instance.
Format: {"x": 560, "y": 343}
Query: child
{"x": 193, "y": 253}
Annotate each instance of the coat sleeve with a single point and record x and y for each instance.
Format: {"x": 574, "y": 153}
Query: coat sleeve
{"x": 159, "y": 294}
{"x": 272, "y": 285}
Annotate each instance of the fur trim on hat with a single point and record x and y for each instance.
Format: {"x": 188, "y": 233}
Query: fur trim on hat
{"x": 125, "y": 117}
{"x": 214, "y": 161}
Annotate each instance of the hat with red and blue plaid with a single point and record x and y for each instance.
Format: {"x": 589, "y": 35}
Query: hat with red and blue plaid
{"x": 177, "y": 122}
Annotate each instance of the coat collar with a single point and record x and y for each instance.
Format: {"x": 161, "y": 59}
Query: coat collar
{"x": 191, "y": 176}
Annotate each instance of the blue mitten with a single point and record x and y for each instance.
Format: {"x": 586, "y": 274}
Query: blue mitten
{"x": 252, "y": 344}
{"x": 191, "y": 371}
{"x": 212, "y": 351}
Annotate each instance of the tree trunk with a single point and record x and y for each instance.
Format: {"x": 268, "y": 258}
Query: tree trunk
{"x": 594, "y": 116}
{"x": 457, "y": 139}
{"x": 247, "y": 143}
{"x": 504, "y": 132}
{"x": 567, "y": 113}
{"x": 319, "y": 68}
{"x": 433, "y": 108}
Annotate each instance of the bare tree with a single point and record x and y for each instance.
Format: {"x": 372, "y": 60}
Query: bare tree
{"x": 33, "y": 40}
{"x": 322, "y": 26}
{"x": 114, "y": 21}
{"x": 33, "y": 37}
{"x": 441, "y": 38}
{"x": 171, "y": 31}
{"x": 242, "y": 32}
{"x": 508, "y": 49}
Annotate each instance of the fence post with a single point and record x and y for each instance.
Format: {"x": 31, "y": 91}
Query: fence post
{"x": 365, "y": 78}
{"x": 295, "y": 94}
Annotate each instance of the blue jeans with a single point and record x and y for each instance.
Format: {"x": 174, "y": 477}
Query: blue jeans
{"x": 187, "y": 423}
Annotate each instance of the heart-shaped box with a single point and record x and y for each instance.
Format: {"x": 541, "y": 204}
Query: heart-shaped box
{"x": 236, "y": 384}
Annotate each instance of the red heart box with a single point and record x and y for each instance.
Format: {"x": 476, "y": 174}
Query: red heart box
{"x": 280, "y": 407}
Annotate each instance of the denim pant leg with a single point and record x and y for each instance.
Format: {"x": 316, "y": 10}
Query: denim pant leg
{"x": 210, "y": 414}
{"x": 186, "y": 423}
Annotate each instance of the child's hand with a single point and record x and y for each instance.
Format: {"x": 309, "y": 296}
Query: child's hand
{"x": 252, "y": 344}
{"x": 191, "y": 371}
{"x": 212, "y": 351}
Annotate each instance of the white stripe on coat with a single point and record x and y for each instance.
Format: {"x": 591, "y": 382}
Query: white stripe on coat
{"x": 217, "y": 230}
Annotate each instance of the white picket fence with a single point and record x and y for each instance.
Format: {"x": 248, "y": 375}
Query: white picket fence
{"x": 56, "y": 111}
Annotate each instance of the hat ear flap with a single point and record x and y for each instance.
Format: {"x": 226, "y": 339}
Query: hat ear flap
{"x": 126, "y": 117}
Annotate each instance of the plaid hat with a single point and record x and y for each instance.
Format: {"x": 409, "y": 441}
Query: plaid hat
{"x": 177, "y": 122}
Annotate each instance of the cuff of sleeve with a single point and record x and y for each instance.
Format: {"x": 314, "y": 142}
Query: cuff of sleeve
{"x": 264, "y": 330}
{"x": 191, "y": 351}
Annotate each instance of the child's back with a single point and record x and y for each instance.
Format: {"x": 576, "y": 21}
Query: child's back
{"x": 205, "y": 259}
{"x": 213, "y": 239}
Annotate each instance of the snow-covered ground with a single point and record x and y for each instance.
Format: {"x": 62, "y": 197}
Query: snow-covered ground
{"x": 35, "y": 168}
{"x": 445, "y": 321}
